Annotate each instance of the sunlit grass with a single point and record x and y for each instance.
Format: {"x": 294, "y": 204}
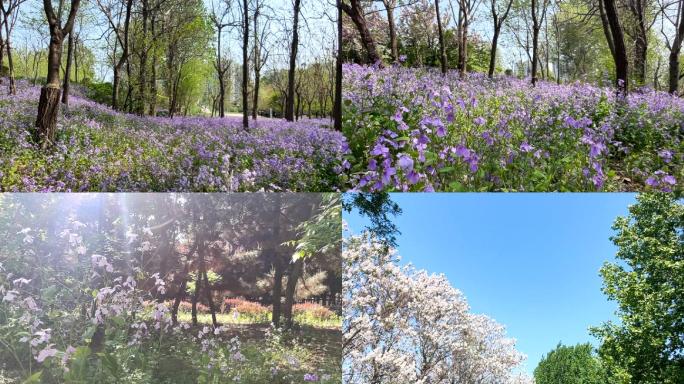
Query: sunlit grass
{"x": 226, "y": 318}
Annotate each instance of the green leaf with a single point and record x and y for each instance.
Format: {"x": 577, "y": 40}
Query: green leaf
{"x": 35, "y": 378}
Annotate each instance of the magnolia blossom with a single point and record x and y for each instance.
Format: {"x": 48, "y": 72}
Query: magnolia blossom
{"x": 408, "y": 326}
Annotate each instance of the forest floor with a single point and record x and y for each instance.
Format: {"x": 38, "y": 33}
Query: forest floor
{"x": 99, "y": 149}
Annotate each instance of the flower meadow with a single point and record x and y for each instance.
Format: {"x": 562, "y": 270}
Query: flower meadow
{"x": 415, "y": 129}
{"x": 99, "y": 149}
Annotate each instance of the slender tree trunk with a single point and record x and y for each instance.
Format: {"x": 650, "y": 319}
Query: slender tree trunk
{"x": 337, "y": 108}
{"x": 10, "y": 63}
{"x": 535, "y": 42}
{"x": 195, "y": 297}
{"x": 621, "y": 63}
{"x": 245, "y": 66}
{"x": 394, "y": 44}
{"x": 440, "y": 32}
{"x": 257, "y": 65}
{"x": 179, "y": 297}
{"x": 142, "y": 81}
{"x": 289, "y": 107}
{"x": 492, "y": 53}
{"x": 277, "y": 291}
{"x": 295, "y": 273}
{"x": 67, "y": 72}
{"x": 210, "y": 300}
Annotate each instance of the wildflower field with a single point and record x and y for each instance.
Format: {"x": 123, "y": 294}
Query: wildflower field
{"x": 415, "y": 129}
{"x": 99, "y": 149}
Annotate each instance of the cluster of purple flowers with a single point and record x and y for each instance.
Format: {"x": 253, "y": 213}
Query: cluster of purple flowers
{"x": 99, "y": 149}
{"x": 419, "y": 130}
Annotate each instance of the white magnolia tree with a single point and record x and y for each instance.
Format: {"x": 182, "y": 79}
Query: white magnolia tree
{"x": 404, "y": 325}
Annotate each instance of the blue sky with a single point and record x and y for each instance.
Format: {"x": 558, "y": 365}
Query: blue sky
{"x": 530, "y": 261}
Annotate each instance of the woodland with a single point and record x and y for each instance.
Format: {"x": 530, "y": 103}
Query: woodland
{"x": 170, "y": 288}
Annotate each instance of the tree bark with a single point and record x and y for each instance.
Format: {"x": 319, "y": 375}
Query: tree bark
{"x": 210, "y": 300}
{"x": 48, "y": 106}
{"x": 142, "y": 80}
{"x": 440, "y": 32}
{"x": 492, "y": 53}
{"x": 337, "y": 108}
{"x": 394, "y": 44}
{"x": 245, "y": 65}
{"x": 124, "y": 56}
{"x": 621, "y": 63}
{"x": 67, "y": 72}
{"x": 289, "y": 106}
{"x": 673, "y": 79}
{"x": 295, "y": 273}
{"x": 277, "y": 290}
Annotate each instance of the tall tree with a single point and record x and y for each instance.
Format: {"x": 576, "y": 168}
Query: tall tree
{"x": 390, "y": 5}
{"x": 570, "y": 365}
{"x": 498, "y": 19}
{"x": 67, "y": 70}
{"x": 9, "y": 10}
{"x": 245, "y": 64}
{"x": 538, "y": 16}
{"x": 674, "y": 45}
{"x": 261, "y": 51}
{"x": 337, "y": 108}
{"x": 617, "y": 42}
{"x": 642, "y": 23}
{"x": 290, "y": 103}
{"x": 221, "y": 65}
{"x": 466, "y": 8}
{"x": 647, "y": 283}
{"x": 122, "y": 38}
{"x": 440, "y": 33}
{"x": 48, "y": 106}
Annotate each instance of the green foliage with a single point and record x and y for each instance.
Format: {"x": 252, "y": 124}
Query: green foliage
{"x": 648, "y": 284}
{"x": 570, "y": 365}
{"x": 99, "y": 92}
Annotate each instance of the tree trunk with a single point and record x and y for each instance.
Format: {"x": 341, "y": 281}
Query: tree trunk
{"x": 394, "y": 44}
{"x": 295, "y": 273}
{"x": 492, "y": 53}
{"x": 440, "y": 31}
{"x": 195, "y": 297}
{"x": 245, "y": 65}
{"x": 535, "y": 42}
{"x": 337, "y": 108}
{"x": 621, "y": 63}
{"x": 210, "y": 300}
{"x": 355, "y": 11}
{"x": 10, "y": 63}
{"x": 277, "y": 291}
{"x": 179, "y": 297}
{"x": 289, "y": 107}
{"x": 640, "y": 53}
{"x": 673, "y": 76}
{"x": 142, "y": 81}
{"x": 48, "y": 106}
{"x": 257, "y": 66}
{"x": 67, "y": 72}
{"x": 463, "y": 41}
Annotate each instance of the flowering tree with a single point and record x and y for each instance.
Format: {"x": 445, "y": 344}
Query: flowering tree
{"x": 403, "y": 325}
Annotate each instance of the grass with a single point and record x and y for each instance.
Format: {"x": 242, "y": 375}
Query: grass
{"x": 225, "y": 318}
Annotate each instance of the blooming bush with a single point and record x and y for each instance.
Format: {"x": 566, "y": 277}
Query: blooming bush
{"x": 416, "y": 129}
{"x": 99, "y": 149}
{"x": 186, "y": 306}
{"x": 313, "y": 310}
{"x": 404, "y": 325}
{"x": 255, "y": 312}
